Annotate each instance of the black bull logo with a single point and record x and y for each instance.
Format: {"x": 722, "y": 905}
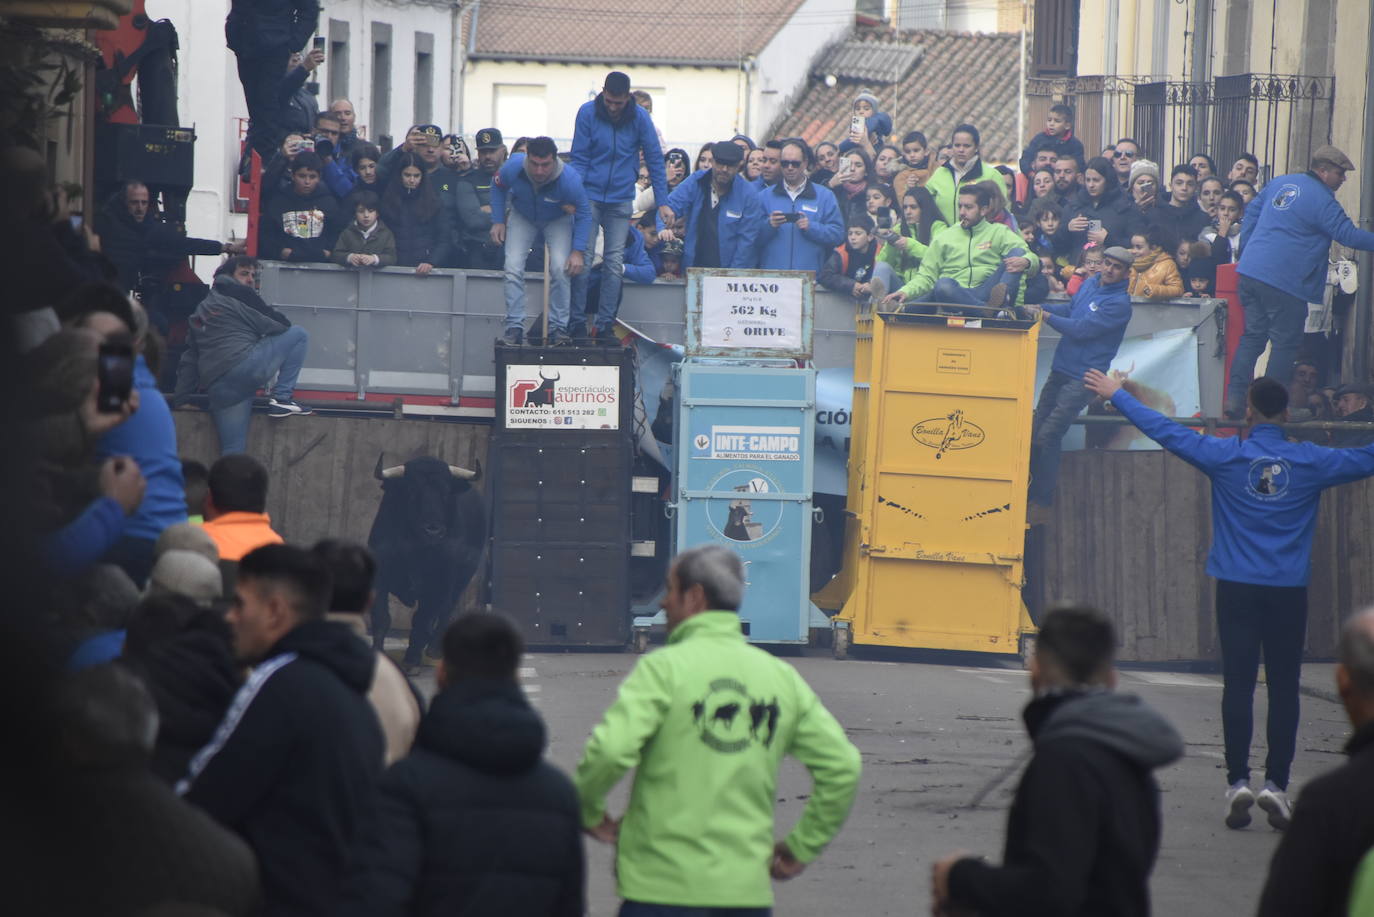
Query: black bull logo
{"x": 543, "y": 395}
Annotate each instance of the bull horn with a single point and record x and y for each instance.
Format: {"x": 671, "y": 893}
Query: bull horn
{"x": 461, "y": 473}
{"x": 383, "y": 474}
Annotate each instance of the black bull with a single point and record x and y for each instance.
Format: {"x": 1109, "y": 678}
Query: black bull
{"x": 428, "y": 538}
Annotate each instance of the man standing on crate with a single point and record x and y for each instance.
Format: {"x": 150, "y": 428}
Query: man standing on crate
{"x": 1265, "y": 494}
{"x": 545, "y": 196}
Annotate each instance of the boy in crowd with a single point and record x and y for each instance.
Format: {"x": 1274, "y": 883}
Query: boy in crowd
{"x": 1057, "y": 136}
{"x": 302, "y": 223}
{"x": 916, "y": 156}
{"x": 366, "y": 242}
{"x": 852, "y": 267}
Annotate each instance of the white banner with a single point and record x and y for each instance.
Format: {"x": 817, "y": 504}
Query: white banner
{"x": 752, "y": 313}
{"x": 1159, "y": 369}
{"x": 540, "y": 396}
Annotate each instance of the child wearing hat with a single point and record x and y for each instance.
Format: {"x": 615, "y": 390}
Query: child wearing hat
{"x": 877, "y": 125}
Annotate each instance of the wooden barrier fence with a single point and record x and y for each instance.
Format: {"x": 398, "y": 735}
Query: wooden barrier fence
{"x": 1129, "y": 533}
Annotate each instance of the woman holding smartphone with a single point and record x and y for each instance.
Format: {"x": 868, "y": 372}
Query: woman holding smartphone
{"x": 1100, "y": 212}
{"x": 850, "y": 182}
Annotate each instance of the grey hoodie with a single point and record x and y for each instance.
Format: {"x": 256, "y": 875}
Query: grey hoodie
{"x": 1122, "y": 722}
{"x": 227, "y": 324}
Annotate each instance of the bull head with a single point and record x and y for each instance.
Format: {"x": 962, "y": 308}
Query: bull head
{"x": 398, "y": 471}
{"x": 554, "y": 378}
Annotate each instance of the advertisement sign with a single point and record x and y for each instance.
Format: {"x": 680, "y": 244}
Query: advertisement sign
{"x": 743, "y": 479}
{"x": 763, "y": 313}
{"x": 562, "y": 397}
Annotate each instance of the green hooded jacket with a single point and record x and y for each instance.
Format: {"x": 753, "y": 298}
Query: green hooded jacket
{"x": 945, "y": 189}
{"x": 707, "y": 720}
{"x": 905, "y": 262}
{"x": 968, "y": 257}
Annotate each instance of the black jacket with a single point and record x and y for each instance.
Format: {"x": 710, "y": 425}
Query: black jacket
{"x": 416, "y": 218}
{"x": 192, "y": 677}
{"x": 293, "y": 766}
{"x": 473, "y": 822}
{"x": 1332, "y": 829}
{"x": 151, "y": 247}
{"x": 137, "y": 845}
{"x": 1084, "y": 827}
{"x": 262, "y": 26}
{"x": 308, "y": 226}
{"x": 1118, "y": 214}
{"x": 846, "y": 268}
{"x": 1178, "y": 223}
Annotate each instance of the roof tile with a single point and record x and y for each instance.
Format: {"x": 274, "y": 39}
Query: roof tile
{"x": 714, "y": 32}
{"x": 940, "y": 79}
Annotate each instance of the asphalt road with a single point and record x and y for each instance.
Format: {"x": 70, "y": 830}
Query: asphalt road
{"x": 943, "y": 747}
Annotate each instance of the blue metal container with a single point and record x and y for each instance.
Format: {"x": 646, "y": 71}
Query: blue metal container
{"x": 745, "y": 439}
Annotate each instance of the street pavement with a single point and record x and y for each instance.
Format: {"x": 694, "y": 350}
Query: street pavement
{"x": 943, "y": 747}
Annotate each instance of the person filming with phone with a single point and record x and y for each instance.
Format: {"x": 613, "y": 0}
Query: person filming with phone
{"x": 803, "y": 222}
{"x": 722, "y": 212}
{"x": 1101, "y": 212}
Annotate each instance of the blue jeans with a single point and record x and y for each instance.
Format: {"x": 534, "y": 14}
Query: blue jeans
{"x": 614, "y": 221}
{"x": 521, "y": 234}
{"x": 231, "y": 395}
{"x": 1271, "y": 315}
{"x": 636, "y": 909}
{"x": 947, "y": 290}
{"x": 1061, "y": 400}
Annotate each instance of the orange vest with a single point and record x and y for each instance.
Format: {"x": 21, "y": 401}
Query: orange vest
{"x": 238, "y": 533}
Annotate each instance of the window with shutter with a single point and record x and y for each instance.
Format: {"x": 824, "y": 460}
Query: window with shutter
{"x": 1054, "y": 39}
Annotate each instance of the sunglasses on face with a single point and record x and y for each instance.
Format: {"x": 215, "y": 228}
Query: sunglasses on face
{"x": 791, "y": 163}
{"x": 1124, "y": 154}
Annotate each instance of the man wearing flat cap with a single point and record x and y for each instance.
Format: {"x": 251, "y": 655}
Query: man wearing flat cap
{"x": 1091, "y": 326}
{"x": 1353, "y": 406}
{"x": 1285, "y": 243}
{"x": 722, "y": 212}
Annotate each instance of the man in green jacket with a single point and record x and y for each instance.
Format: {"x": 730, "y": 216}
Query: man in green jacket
{"x": 974, "y": 263}
{"x": 707, "y": 720}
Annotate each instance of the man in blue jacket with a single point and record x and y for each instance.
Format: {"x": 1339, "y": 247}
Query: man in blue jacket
{"x": 803, "y": 221}
{"x": 1091, "y": 326}
{"x": 545, "y": 196}
{"x": 722, "y": 213}
{"x": 1265, "y": 494}
{"x": 611, "y": 132}
{"x": 1285, "y": 242}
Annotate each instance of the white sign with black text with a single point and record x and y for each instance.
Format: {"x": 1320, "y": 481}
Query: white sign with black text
{"x": 752, "y": 313}
{"x": 541, "y": 396}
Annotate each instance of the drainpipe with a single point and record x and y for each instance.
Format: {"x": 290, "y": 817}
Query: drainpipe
{"x": 463, "y": 68}
{"x": 455, "y": 73}
{"x": 1021, "y": 96}
{"x": 1364, "y": 311}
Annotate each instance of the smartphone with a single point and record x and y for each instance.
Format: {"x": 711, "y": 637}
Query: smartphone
{"x": 306, "y": 146}
{"x": 846, "y": 166}
{"x": 886, "y": 235}
{"x": 791, "y": 217}
{"x": 76, "y": 221}
{"x": 318, "y": 43}
{"x": 856, "y": 125}
{"x": 1094, "y": 225}
{"x": 114, "y": 376}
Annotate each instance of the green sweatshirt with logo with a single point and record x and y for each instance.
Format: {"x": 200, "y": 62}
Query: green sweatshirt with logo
{"x": 968, "y": 257}
{"x": 707, "y": 720}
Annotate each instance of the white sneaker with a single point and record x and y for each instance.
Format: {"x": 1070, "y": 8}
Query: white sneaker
{"x": 1239, "y": 799}
{"x": 1274, "y": 802}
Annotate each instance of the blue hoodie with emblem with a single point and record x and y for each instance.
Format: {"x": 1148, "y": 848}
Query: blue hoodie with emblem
{"x": 1265, "y": 493}
{"x": 1287, "y": 232}
{"x": 544, "y": 203}
{"x": 1092, "y": 324}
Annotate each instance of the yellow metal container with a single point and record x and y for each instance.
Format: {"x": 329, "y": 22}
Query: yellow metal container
{"x": 938, "y": 468}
